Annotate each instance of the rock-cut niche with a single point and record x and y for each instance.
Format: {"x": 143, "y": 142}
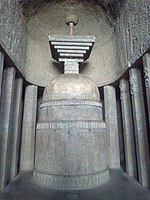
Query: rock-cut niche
{"x": 102, "y": 67}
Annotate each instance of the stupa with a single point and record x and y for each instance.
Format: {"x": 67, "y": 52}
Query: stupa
{"x": 71, "y": 152}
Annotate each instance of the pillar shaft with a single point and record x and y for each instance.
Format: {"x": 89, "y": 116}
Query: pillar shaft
{"x": 111, "y": 126}
{"x": 128, "y": 131}
{"x": 1, "y": 70}
{"x": 140, "y": 126}
{"x": 28, "y": 129}
{"x": 5, "y": 117}
{"x": 146, "y": 65}
{"x": 15, "y": 129}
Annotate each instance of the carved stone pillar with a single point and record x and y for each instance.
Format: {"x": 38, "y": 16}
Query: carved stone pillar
{"x": 140, "y": 126}
{"x": 1, "y": 70}
{"x": 128, "y": 131}
{"x": 28, "y": 129}
{"x": 146, "y": 65}
{"x": 15, "y": 129}
{"x": 111, "y": 126}
{"x": 5, "y": 118}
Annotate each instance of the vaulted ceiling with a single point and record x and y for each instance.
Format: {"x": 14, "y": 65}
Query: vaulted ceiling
{"x": 30, "y": 8}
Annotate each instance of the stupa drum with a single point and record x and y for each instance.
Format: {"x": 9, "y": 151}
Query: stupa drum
{"x": 71, "y": 134}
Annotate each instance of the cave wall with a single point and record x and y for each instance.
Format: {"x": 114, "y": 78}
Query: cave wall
{"x": 132, "y": 30}
{"x": 102, "y": 65}
{"x": 127, "y": 22}
{"x": 13, "y": 32}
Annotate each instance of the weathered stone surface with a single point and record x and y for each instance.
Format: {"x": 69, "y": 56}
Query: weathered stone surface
{"x": 70, "y": 48}
{"x": 76, "y": 152}
{"x": 121, "y": 187}
{"x": 71, "y": 136}
{"x": 15, "y": 131}
{"x": 5, "y": 117}
{"x": 92, "y": 21}
{"x": 139, "y": 117}
{"x": 111, "y": 126}
{"x": 79, "y": 182}
{"x": 13, "y": 32}
{"x": 71, "y": 152}
{"x": 28, "y": 129}
{"x": 31, "y": 8}
{"x": 128, "y": 131}
{"x": 130, "y": 28}
{"x": 132, "y": 31}
{"x": 71, "y": 86}
{"x": 146, "y": 65}
{"x": 1, "y": 71}
{"x": 49, "y": 110}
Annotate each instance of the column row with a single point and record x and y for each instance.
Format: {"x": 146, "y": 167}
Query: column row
{"x": 134, "y": 105}
{"x": 17, "y": 123}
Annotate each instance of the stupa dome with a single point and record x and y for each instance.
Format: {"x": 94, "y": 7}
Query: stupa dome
{"x": 71, "y": 86}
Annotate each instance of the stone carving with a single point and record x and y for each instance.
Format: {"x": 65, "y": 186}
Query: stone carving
{"x": 71, "y": 102}
{"x": 112, "y": 126}
{"x": 139, "y": 117}
{"x": 124, "y": 88}
{"x": 134, "y": 83}
{"x": 71, "y": 67}
{"x": 51, "y": 20}
{"x": 71, "y": 134}
{"x": 147, "y": 75}
{"x": 128, "y": 131}
{"x": 75, "y": 182}
{"x": 146, "y": 66}
{"x": 64, "y": 125}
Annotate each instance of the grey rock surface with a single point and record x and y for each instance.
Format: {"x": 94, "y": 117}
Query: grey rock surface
{"x": 71, "y": 86}
{"x": 28, "y": 128}
{"x": 1, "y": 70}
{"x": 128, "y": 129}
{"x": 71, "y": 134}
{"x": 119, "y": 187}
{"x": 5, "y": 118}
{"x": 130, "y": 30}
{"x": 146, "y": 65}
{"x": 92, "y": 21}
{"x": 13, "y": 32}
{"x": 15, "y": 132}
{"x": 111, "y": 126}
{"x": 141, "y": 135}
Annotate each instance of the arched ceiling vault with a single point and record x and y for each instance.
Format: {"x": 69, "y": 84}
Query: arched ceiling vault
{"x": 30, "y": 8}
{"x": 48, "y": 17}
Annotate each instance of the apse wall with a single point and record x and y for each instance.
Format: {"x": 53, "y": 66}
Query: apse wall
{"x": 102, "y": 66}
{"x": 132, "y": 30}
{"x": 121, "y": 29}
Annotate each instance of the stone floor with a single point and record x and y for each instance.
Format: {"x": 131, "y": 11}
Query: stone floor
{"x": 120, "y": 187}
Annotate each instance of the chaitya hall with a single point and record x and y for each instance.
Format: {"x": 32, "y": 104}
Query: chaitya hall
{"x": 74, "y": 100}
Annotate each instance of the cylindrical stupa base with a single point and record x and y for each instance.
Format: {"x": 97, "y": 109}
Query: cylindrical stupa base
{"x": 71, "y": 182}
{"x": 73, "y": 156}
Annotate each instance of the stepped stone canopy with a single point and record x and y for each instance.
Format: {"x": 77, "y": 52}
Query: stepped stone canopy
{"x": 76, "y": 46}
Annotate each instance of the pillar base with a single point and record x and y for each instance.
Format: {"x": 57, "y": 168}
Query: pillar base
{"x": 71, "y": 182}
